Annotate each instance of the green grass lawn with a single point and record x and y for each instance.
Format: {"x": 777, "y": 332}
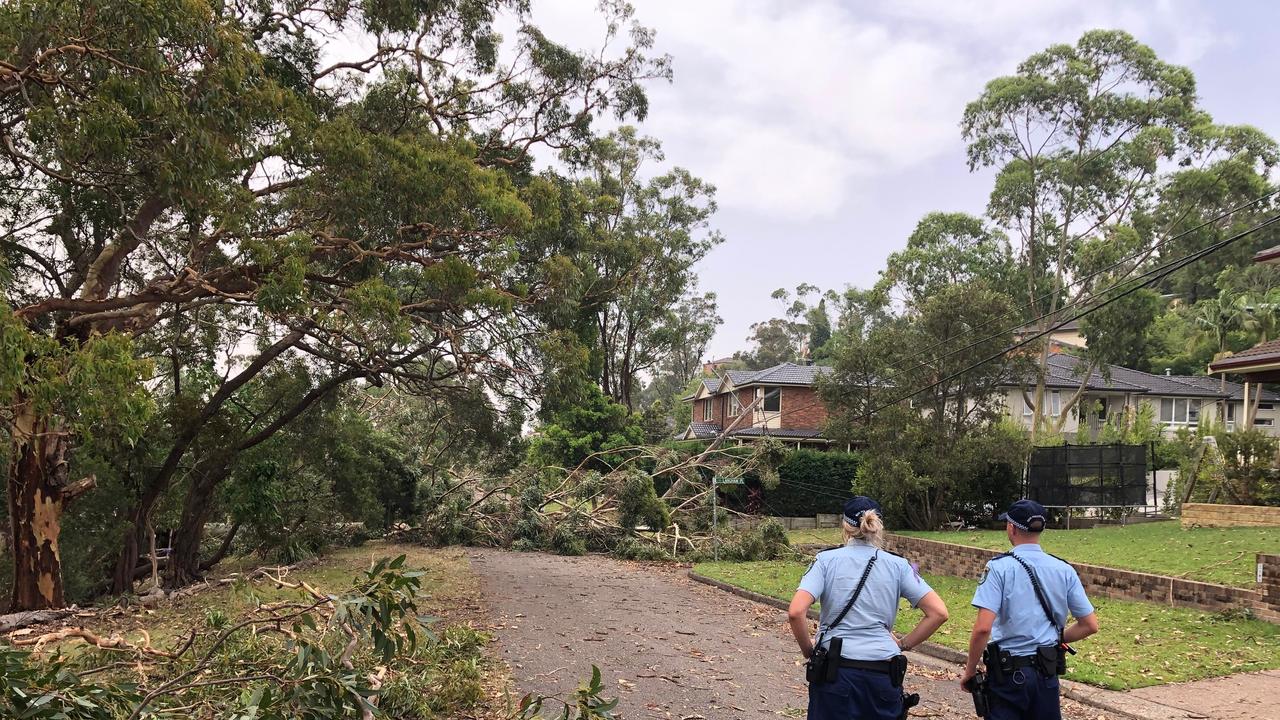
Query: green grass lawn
{"x": 1216, "y": 555}
{"x": 1140, "y": 644}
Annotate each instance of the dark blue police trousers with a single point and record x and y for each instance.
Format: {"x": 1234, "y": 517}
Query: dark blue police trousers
{"x": 1025, "y": 694}
{"x": 855, "y": 693}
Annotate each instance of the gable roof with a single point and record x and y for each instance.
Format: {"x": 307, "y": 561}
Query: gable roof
{"x": 1145, "y": 382}
{"x": 1063, "y": 372}
{"x": 1266, "y": 353}
{"x": 782, "y": 374}
{"x": 1067, "y": 374}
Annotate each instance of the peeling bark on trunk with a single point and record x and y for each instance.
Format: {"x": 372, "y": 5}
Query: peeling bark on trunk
{"x": 37, "y": 494}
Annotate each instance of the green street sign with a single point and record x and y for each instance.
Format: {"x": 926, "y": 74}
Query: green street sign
{"x": 729, "y": 481}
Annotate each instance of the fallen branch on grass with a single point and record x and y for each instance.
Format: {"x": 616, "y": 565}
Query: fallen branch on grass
{"x": 19, "y": 620}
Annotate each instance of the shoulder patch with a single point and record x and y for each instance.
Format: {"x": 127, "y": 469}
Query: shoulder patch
{"x": 985, "y": 572}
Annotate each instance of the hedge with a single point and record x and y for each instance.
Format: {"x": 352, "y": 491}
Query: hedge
{"x": 810, "y": 482}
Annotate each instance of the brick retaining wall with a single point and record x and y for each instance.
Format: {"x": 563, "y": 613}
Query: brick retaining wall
{"x": 1206, "y": 515}
{"x": 940, "y": 558}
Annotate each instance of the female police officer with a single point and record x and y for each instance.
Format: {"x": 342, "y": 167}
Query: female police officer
{"x": 859, "y": 682}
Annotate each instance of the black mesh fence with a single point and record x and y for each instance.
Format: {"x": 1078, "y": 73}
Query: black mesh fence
{"x": 1089, "y": 476}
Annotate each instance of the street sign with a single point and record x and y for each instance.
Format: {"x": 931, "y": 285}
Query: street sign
{"x": 729, "y": 481}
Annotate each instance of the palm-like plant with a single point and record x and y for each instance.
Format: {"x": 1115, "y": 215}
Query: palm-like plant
{"x": 1216, "y": 318}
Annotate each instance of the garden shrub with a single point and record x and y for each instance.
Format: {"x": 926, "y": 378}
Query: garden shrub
{"x": 809, "y": 482}
{"x": 765, "y": 540}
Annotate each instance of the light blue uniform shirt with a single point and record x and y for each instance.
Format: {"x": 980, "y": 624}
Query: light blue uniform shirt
{"x": 1006, "y": 590}
{"x": 866, "y": 628}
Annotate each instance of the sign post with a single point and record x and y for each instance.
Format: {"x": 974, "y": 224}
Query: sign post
{"x": 717, "y": 481}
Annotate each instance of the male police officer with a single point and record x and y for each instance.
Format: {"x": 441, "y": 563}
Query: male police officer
{"x": 1021, "y": 633}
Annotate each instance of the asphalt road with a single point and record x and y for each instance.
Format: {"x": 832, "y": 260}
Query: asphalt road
{"x": 668, "y": 647}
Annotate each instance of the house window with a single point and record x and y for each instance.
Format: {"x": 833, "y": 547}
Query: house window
{"x": 1179, "y": 411}
{"x": 772, "y": 400}
{"x": 1264, "y": 422}
{"x": 1054, "y": 399}
{"x": 1231, "y": 416}
{"x": 707, "y": 415}
{"x": 1265, "y": 406}
{"x": 735, "y": 406}
{"x": 1102, "y": 409}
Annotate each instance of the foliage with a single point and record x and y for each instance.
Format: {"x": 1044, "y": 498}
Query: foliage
{"x": 1101, "y": 153}
{"x": 949, "y": 249}
{"x": 1249, "y": 467}
{"x": 585, "y": 433}
{"x": 763, "y": 540}
{"x": 268, "y": 222}
{"x": 365, "y": 650}
{"x": 639, "y": 504}
{"x": 809, "y": 482}
{"x": 629, "y": 548}
{"x": 633, "y": 252}
{"x": 921, "y": 458}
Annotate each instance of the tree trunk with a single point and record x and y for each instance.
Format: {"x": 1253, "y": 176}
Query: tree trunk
{"x": 184, "y": 557}
{"x": 134, "y": 536}
{"x": 37, "y": 493}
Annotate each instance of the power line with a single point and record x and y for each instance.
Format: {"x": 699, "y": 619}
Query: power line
{"x": 1171, "y": 268}
{"x": 1145, "y": 278}
{"x": 1086, "y": 278}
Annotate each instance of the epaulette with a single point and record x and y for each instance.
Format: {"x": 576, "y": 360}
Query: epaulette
{"x": 904, "y": 557}
{"x": 1002, "y": 555}
{"x": 1058, "y": 558}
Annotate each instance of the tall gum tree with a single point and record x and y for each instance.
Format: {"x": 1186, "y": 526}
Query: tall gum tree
{"x": 365, "y": 212}
{"x": 1087, "y": 140}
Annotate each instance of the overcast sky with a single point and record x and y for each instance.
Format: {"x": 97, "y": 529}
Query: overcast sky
{"x": 830, "y": 128}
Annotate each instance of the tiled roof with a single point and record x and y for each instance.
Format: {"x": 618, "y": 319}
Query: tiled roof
{"x": 1126, "y": 378}
{"x": 1266, "y": 353}
{"x": 1062, "y": 369}
{"x": 777, "y": 432}
{"x": 1233, "y": 390}
{"x": 712, "y": 384}
{"x": 702, "y": 430}
{"x": 783, "y": 374}
{"x": 1065, "y": 375}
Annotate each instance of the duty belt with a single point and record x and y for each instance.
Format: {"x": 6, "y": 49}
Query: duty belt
{"x": 1023, "y": 661}
{"x": 883, "y": 666}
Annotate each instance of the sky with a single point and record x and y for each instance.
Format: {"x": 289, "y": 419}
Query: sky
{"x": 830, "y": 128}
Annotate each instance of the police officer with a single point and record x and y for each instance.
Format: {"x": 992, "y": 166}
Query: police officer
{"x": 865, "y": 676}
{"x": 1021, "y": 634}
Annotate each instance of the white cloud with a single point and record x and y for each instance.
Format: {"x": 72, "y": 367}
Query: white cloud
{"x": 789, "y": 108}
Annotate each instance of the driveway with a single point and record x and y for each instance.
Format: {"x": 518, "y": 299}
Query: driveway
{"x": 668, "y": 647}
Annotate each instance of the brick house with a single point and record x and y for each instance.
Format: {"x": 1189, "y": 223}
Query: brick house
{"x": 789, "y": 408}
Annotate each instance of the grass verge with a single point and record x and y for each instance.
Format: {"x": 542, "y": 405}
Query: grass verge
{"x": 1140, "y": 644}
{"x": 1217, "y": 555}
